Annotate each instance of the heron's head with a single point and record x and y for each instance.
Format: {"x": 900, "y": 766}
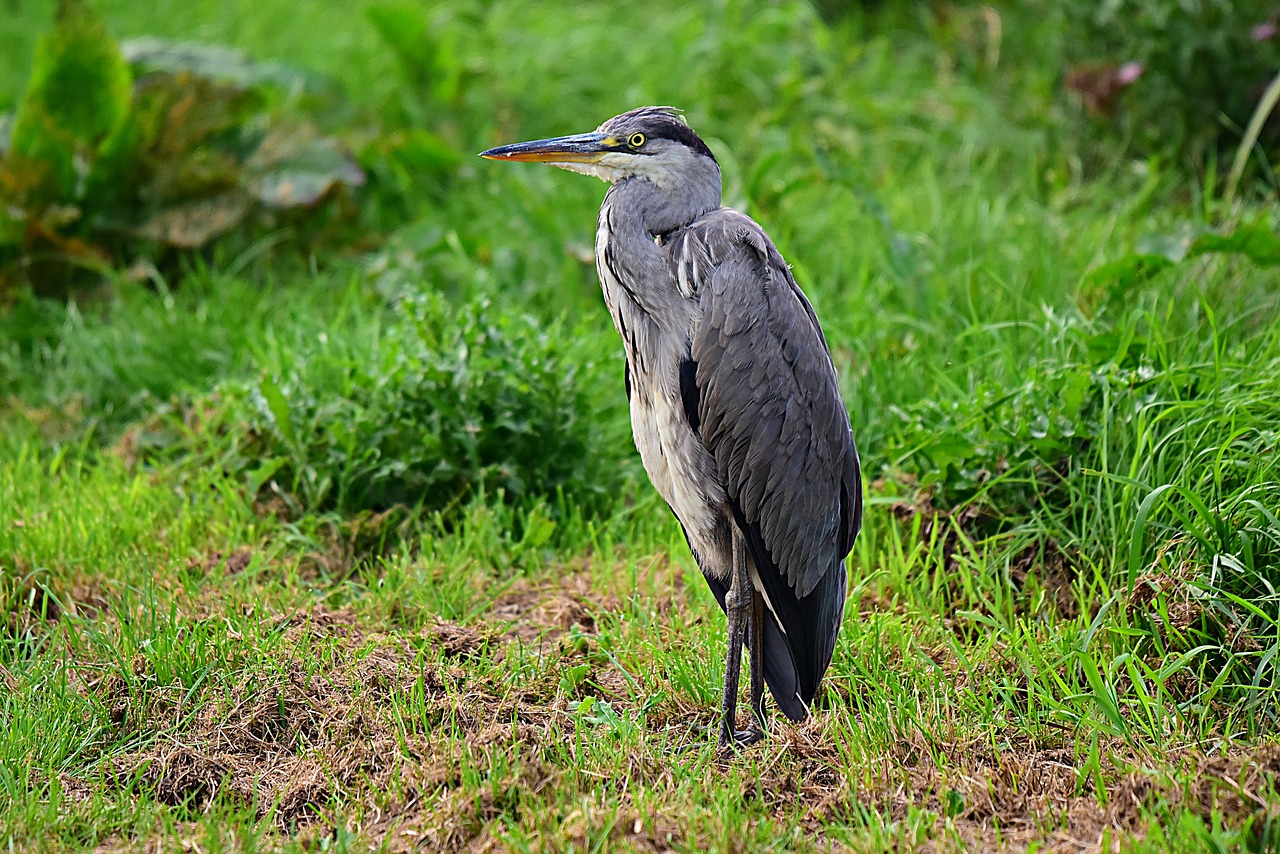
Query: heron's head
{"x": 651, "y": 143}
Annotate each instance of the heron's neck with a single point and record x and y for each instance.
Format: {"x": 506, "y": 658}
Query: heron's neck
{"x": 659, "y": 209}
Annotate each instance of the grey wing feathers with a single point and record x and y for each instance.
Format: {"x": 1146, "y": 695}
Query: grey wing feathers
{"x": 769, "y": 406}
{"x": 770, "y": 412}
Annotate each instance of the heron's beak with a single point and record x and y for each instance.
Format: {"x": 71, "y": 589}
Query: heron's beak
{"x": 581, "y": 148}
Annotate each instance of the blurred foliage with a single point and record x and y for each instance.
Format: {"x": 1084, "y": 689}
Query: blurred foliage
{"x": 446, "y": 404}
{"x": 120, "y": 151}
{"x": 1158, "y": 251}
{"x": 1175, "y": 76}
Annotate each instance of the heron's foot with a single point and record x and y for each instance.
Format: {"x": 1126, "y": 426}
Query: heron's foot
{"x": 739, "y": 739}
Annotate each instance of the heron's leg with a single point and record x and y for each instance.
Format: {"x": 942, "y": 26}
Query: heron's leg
{"x": 737, "y": 602}
{"x": 758, "y": 722}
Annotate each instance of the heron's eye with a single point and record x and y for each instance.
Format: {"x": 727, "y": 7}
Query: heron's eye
{"x": 636, "y": 140}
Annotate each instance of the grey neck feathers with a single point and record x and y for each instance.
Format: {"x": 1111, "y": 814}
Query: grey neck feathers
{"x": 662, "y": 208}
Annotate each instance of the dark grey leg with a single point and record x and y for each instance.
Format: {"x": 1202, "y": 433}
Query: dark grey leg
{"x": 737, "y": 602}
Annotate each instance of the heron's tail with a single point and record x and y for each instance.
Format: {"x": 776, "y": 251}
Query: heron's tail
{"x": 795, "y": 660}
{"x": 781, "y": 674}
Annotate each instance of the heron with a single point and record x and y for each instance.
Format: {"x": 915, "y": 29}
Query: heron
{"x": 735, "y": 405}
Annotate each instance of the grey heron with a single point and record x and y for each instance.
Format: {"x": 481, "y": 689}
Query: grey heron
{"x": 735, "y": 407}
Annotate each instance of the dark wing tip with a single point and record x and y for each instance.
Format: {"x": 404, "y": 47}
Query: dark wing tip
{"x": 690, "y": 396}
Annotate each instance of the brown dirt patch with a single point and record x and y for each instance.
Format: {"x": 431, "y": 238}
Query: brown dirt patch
{"x": 317, "y": 733}
{"x": 1010, "y": 797}
{"x": 540, "y": 614}
{"x": 316, "y": 737}
{"x": 233, "y": 562}
{"x": 457, "y": 641}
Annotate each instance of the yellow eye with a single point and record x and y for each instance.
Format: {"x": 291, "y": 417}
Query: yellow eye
{"x": 636, "y": 140}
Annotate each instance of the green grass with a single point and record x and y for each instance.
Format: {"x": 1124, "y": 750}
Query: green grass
{"x": 246, "y": 606}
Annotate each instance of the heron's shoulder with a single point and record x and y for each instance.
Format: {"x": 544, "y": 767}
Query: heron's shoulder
{"x": 727, "y": 228}
{"x": 714, "y": 237}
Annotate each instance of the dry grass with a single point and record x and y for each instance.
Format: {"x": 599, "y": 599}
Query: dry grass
{"x": 320, "y": 739}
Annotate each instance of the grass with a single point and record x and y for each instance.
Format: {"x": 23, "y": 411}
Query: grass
{"x": 245, "y": 609}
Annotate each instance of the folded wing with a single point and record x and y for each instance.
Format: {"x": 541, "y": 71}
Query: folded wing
{"x": 768, "y": 407}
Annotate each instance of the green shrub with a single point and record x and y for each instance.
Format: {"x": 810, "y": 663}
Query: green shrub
{"x": 148, "y": 148}
{"x": 1005, "y": 448}
{"x": 1196, "y": 68}
{"x": 443, "y": 405}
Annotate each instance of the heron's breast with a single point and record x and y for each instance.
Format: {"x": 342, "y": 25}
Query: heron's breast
{"x": 679, "y": 464}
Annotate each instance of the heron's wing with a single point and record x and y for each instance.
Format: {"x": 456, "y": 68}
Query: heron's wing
{"x": 769, "y": 409}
